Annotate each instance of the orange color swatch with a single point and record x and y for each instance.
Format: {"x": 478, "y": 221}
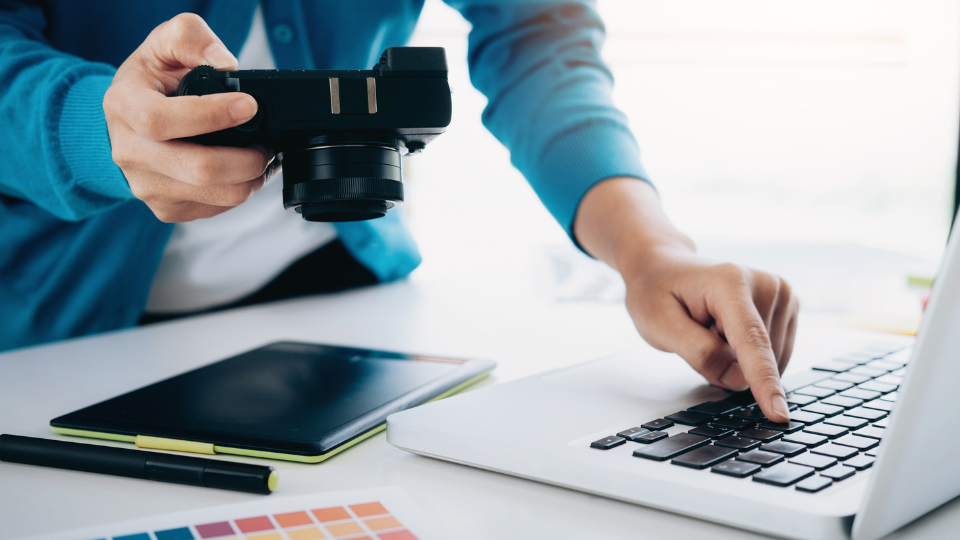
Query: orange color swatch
{"x": 335, "y": 513}
{"x": 293, "y": 519}
{"x": 368, "y": 509}
{"x": 383, "y": 523}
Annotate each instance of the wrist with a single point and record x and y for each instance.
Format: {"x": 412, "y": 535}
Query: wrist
{"x": 620, "y": 221}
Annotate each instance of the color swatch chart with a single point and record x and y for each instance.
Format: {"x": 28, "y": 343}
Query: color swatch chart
{"x": 365, "y": 521}
{"x": 372, "y": 514}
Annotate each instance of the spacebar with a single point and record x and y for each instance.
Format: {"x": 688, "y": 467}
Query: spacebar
{"x": 804, "y": 378}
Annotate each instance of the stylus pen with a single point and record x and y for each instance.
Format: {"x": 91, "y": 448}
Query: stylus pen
{"x": 138, "y": 464}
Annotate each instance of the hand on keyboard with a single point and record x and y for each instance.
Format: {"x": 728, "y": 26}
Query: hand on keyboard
{"x": 734, "y": 325}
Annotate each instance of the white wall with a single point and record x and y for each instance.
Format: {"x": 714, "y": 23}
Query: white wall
{"x": 760, "y": 121}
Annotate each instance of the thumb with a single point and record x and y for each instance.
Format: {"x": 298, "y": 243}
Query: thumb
{"x": 186, "y": 41}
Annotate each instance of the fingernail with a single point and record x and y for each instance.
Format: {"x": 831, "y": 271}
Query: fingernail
{"x": 732, "y": 378}
{"x": 779, "y": 406}
{"x": 219, "y": 57}
{"x": 243, "y": 109}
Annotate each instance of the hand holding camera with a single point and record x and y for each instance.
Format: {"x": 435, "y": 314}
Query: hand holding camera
{"x": 341, "y": 133}
{"x": 180, "y": 181}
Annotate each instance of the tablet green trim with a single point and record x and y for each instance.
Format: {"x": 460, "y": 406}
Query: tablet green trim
{"x": 274, "y": 455}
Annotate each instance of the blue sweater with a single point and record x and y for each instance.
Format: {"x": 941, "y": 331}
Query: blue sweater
{"x": 78, "y": 252}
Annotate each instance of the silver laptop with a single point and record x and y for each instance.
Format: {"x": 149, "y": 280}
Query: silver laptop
{"x": 865, "y": 453}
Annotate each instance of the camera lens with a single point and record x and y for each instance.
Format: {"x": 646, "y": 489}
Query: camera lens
{"x": 342, "y": 182}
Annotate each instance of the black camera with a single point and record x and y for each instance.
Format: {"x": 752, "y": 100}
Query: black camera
{"x": 340, "y": 134}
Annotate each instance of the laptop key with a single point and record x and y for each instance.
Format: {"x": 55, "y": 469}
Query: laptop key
{"x": 712, "y": 431}
{"x": 881, "y": 423}
{"x": 783, "y": 474}
{"x": 815, "y": 461}
{"x": 815, "y": 391}
{"x": 606, "y": 443}
{"x": 860, "y": 463}
{"x": 872, "y": 453}
{"x": 800, "y": 399}
{"x": 786, "y": 427}
{"x": 806, "y": 438}
{"x": 737, "y": 469}
{"x": 868, "y": 371}
{"x": 860, "y": 443}
{"x": 740, "y": 443}
{"x": 851, "y": 378}
{"x": 842, "y": 401}
{"x": 814, "y": 484}
{"x": 838, "y": 472}
{"x": 629, "y": 434}
{"x": 876, "y": 386}
{"x": 823, "y": 409}
{"x": 739, "y": 399}
{"x": 760, "y": 434}
{"x": 806, "y": 417}
{"x": 689, "y": 418}
{"x": 827, "y": 430}
{"x": 834, "y": 384}
{"x": 848, "y": 422}
{"x": 879, "y": 405}
{"x": 650, "y": 437}
{"x": 786, "y": 448}
{"x": 872, "y": 432}
{"x": 671, "y": 447}
{"x": 835, "y": 366}
{"x": 866, "y": 414}
{"x": 761, "y": 457}
{"x": 754, "y": 414}
{"x": 891, "y": 397}
{"x": 705, "y": 456}
{"x": 835, "y": 450}
{"x": 658, "y": 424}
{"x": 890, "y": 378}
{"x": 714, "y": 408}
{"x": 860, "y": 393}
{"x": 734, "y": 423}
{"x": 884, "y": 365}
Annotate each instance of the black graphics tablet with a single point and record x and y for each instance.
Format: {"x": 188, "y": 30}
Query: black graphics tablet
{"x": 293, "y": 401}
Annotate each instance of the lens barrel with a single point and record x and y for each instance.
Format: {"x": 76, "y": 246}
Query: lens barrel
{"x": 342, "y": 182}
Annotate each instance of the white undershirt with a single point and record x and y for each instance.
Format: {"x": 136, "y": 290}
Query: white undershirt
{"x": 212, "y": 262}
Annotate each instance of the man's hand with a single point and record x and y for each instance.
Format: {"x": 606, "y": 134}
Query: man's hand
{"x": 734, "y": 325}
{"x": 180, "y": 181}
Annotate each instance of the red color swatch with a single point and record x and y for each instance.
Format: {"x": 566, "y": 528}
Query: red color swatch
{"x": 255, "y": 524}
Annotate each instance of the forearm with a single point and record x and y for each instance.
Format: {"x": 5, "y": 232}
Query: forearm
{"x": 57, "y": 154}
{"x": 620, "y": 220}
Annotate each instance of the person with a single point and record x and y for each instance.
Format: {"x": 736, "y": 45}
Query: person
{"x": 108, "y": 217}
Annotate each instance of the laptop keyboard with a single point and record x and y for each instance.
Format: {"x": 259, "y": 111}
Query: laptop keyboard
{"x": 837, "y": 421}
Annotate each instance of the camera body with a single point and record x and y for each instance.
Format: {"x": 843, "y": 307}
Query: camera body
{"x": 340, "y": 133}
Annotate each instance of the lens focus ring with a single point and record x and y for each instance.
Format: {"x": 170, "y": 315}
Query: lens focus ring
{"x": 348, "y": 182}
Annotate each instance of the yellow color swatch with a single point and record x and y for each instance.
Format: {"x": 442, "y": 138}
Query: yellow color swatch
{"x": 268, "y": 536}
{"x": 345, "y": 529}
{"x": 310, "y": 533}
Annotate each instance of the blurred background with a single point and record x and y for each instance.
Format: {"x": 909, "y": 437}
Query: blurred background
{"x": 814, "y": 139}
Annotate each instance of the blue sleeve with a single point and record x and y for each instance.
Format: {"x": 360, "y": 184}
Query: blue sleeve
{"x": 53, "y": 135}
{"x": 538, "y": 63}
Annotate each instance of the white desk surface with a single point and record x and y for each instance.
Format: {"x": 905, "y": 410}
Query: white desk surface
{"x": 504, "y": 320}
